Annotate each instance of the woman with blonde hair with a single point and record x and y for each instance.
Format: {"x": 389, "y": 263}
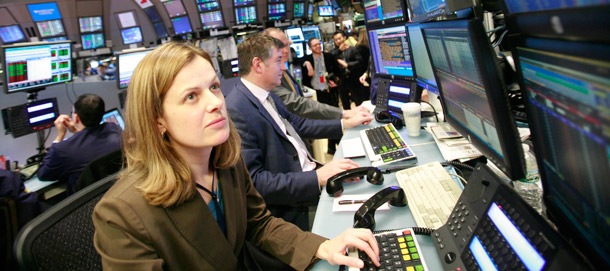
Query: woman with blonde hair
{"x": 185, "y": 200}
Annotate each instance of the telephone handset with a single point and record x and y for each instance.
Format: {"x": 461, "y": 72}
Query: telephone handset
{"x": 334, "y": 185}
{"x": 365, "y": 216}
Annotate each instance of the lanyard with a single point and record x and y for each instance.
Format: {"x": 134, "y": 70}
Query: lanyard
{"x": 219, "y": 215}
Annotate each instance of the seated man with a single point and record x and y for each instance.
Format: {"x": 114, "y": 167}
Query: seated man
{"x": 66, "y": 159}
{"x": 26, "y": 203}
{"x": 282, "y": 170}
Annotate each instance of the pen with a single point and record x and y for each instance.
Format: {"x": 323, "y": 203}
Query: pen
{"x": 346, "y": 202}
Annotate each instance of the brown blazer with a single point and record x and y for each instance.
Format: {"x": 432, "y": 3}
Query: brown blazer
{"x": 130, "y": 234}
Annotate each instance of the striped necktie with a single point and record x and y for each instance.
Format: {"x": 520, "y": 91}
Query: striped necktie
{"x": 291, "y": 83}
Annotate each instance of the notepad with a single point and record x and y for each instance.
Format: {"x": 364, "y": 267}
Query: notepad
{"x": 353, "y": 148}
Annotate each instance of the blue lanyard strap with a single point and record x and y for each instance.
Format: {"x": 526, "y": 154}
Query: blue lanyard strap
{"x": 220, "y": 218}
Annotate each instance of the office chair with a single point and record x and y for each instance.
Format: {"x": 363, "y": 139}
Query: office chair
{"x": 99, "y": 168}
{"x": 62, "y": 237}
{"x": 8, "y": 229}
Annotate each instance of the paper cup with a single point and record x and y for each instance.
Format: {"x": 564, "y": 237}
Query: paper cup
{"x": 412, "y": 116}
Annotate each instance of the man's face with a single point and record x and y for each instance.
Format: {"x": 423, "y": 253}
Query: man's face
{"x": 273, "y": 69}
{"x": 315, "y": 46}
{"x": 339, "y": 39}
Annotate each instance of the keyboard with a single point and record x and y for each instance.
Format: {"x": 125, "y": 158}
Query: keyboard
{"x": 398, "y": 250}
{"x": 431, "y": 193}
{"x": 384, "y": 145}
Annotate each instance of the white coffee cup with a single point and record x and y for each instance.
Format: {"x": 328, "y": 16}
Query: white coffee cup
{"x": 412, "y": 116}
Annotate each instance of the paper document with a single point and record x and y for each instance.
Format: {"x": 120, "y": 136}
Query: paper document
{"x": 353, "y": 202}
{"x": 444, "y": 130}
{"x": 454, "y": 148}
{"x": 353, "y": 148}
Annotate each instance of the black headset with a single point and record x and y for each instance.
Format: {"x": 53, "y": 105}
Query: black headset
{"x": 389, "y": 117}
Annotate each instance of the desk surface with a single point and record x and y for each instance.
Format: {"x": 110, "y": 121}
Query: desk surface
{"x": 34, "y": 184}
{"x": 330, "y": 225}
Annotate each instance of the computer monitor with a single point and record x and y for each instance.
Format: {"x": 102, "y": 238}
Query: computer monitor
{"x": 424, "y": 75}
{"x": 50, "y": 28}
{"x": 44, "y": 11}
{"x": 127, "y": 19}
{"x": 131, "y": 35}
{"x": 181, "y": 25}
{"x": 566, "y": 90}
{"x": 127, "y": 63}
{"x": 31, "y": 117}
{"x": 276, "y": 11}
{"x": 298, "y": 48}
{"x": 153, "y": 14}
{"x": 11, "y": 33}
{"x": 92, "y": 41}
{"x": 295, "y": 34}
{"x": 428, "y": 10}
{"x": 245, "y": 15}
{"x": 90, "y": 24}
{"x": 390, "y": 52}
{"x": 33, "y": 66}
{"x": 384, "y": 11}
{"x": 205, "y": 5}
{"x": 311, "y": 31}
{"x": 238, "y": 3}
{"x": 299, "y": 10}
{"x": 212, "y": 19}
{"x": 326, "y": 11}
{"x": 114, "y": 116}
{"x": 174, "y": 8}
{"x": 310, "y": 11}
{"x": 473, "y": 92}
{"x": 160, "y": 30}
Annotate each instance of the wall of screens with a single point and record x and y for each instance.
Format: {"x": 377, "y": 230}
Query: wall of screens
{"x": 91, "y": 32}
{"x": 155, "y": 18}
{"x": 210, "y": 14}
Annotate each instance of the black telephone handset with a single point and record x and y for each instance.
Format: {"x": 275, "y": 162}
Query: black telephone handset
{"x": 334, "y": 185}
{"x": 365, "y": 216}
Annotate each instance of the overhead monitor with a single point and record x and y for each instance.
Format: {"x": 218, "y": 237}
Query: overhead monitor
{"x": 11, "y": 33}
{"x": 311, "y": 31}
{"x": 310, "y": 10}
{"x": 50, "y": 28}
{"x": 44, "y": 11}
{"x": 473, "y": 91}
{"x": 205, "y": 5}
{"x": 174, "y": 8}
{"x": 114, "y": 116}
{"x": 33, "y": 66}
{"x": 567, "y": 90}
{"x": 245, "y": 15}
{"x": 390, "y": 52}
{"x": 181, "y": 25}
{"x": 428, "y": 10}
{"x": 212, "y": 19}
{"x": 160, "y": 30}
{"x": 153, "y": 14}
{"x": 298, "y": 49}
{"x": 299, "y": 10}
{"x": 424, "y": 75}
{"x": 31, "y": 117}
{"x": 326, "y": 11}
{"x": 295, "y": 34}
{"x": 131, "y": 35}
{"x": 238, "y": 3}
{"x": 127, "y": 19}
{"x": 127, "y": 63}
{"x": 90, "y": 24}
{"x": 92, "y": 41}
{"x": 276, "y": 11}
{"x": 388, "y": 11}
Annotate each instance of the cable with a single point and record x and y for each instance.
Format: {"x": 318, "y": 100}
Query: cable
{"x": 458, "y": 164}
{"x": 500, "y": 39}
{"x": 68, "y": 93}
{"x": 459, "y": 177}
{"x": 433, "y": 109}
{"x": 422, "y": 231}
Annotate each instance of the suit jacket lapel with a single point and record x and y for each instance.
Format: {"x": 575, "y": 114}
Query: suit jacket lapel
{"x": 241, "y": 87}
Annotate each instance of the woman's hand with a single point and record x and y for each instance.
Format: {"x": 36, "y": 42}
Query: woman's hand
{"x": 333, "y": 251}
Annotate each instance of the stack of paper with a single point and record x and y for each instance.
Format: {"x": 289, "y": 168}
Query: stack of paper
{"x": 451, "y": 144}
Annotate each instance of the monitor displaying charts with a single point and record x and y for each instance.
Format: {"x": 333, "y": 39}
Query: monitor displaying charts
{"x": 244, "y": 15}
{"x": 11, "y": 33}
{"x": 92, "y": 41}
{"x": 90, "y": 24}
{"x": 212, "y": 19}
{"x": 50, "y": 28}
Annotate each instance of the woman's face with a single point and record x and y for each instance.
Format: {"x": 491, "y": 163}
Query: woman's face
{"x": 195, "y": 115}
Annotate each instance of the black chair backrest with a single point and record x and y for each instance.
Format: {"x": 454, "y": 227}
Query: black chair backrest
{"x": 8, "y": 230}
{"x": 99, "y": 168}
{"x": 61, "y": 238}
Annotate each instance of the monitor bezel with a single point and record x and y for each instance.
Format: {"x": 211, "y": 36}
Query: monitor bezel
{"x": 118, "y": 20}
{"x": 403, "y": 18}
{"x": 33, "y": 4}
{"x": 90, "y": 32}
{"x": 17, "y": 41}
{"x": 180, "y": 17}
{"x": 118, "y": 64}
{"x": 37, "y": 87}
{"x": 46, "y": 37}
{"x": 123, "y": 38}
{"x": 513, "y": 163}
{"x": 210, "y": 11}
{"x": 246, "y": 6}
{"x": 149, "y": 17}
{"x": 422, "y": 83}
{"x": 304, "y": 9}
{"x": 175, "y": 16}
{"x": 284, "y": 15}
{"x": 331, "y": 7}
{"x": 389, "y": 76}
{"x": 164, "y": 28}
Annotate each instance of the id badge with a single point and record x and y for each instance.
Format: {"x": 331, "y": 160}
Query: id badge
{"x": 322, "y": 79}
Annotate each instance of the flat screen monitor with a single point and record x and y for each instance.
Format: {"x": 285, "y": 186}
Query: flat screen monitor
{"x": 238, "y": 3}
{"x": 205, "y": 5}
{"x": 90, "y": 24}
{"x": 127, "y": 19}
{"x": 299, "y": 10}
{"x": 153, "y": 14}
{"x": 174, "y": 8}
{"x": 326, "y": 11}
{"x": 295, "y": 34}
{"x": 298, "y": 49}
{"x": 44, "y": 11}
{"x": 212, "y": 19}
{"x": 388, "y": 11}
{"x": 310, "y": 11}
{"x": 31, "y": 117}
{"x": 160, "y": 30}
{"x": 11, "y": 34}
{"x": 276, "y": 11}
{"x": 127, "y": 63}
{"x": 473, "y": 92}
{"x": 36, "y": 65}
{"x": 114, "y": 116}
{"x": 245, "y": 15}
{"x": 131, "y": 35}
{"x": 390, "y": 52}
{"x": 92, "y": 41}
{"x": 50, "y": 28}
{"x": 424, "y": 75}
{"x": 567, "y": 90}
{"x": 309, "y": 32}
{"x": 181, "y": 25}
{"x": 429, "y": 10}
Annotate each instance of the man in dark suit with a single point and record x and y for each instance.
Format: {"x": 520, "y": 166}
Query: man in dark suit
{"x": 66, "y": 159}
{"x": 282, "y": 170}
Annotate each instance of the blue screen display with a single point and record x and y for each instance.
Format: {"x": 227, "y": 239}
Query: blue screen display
{"x": 11, "y": 33}
{"x": 181, "y": 25}
{"x": 131, "y": 35}
{"x": 44, "y": 11}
